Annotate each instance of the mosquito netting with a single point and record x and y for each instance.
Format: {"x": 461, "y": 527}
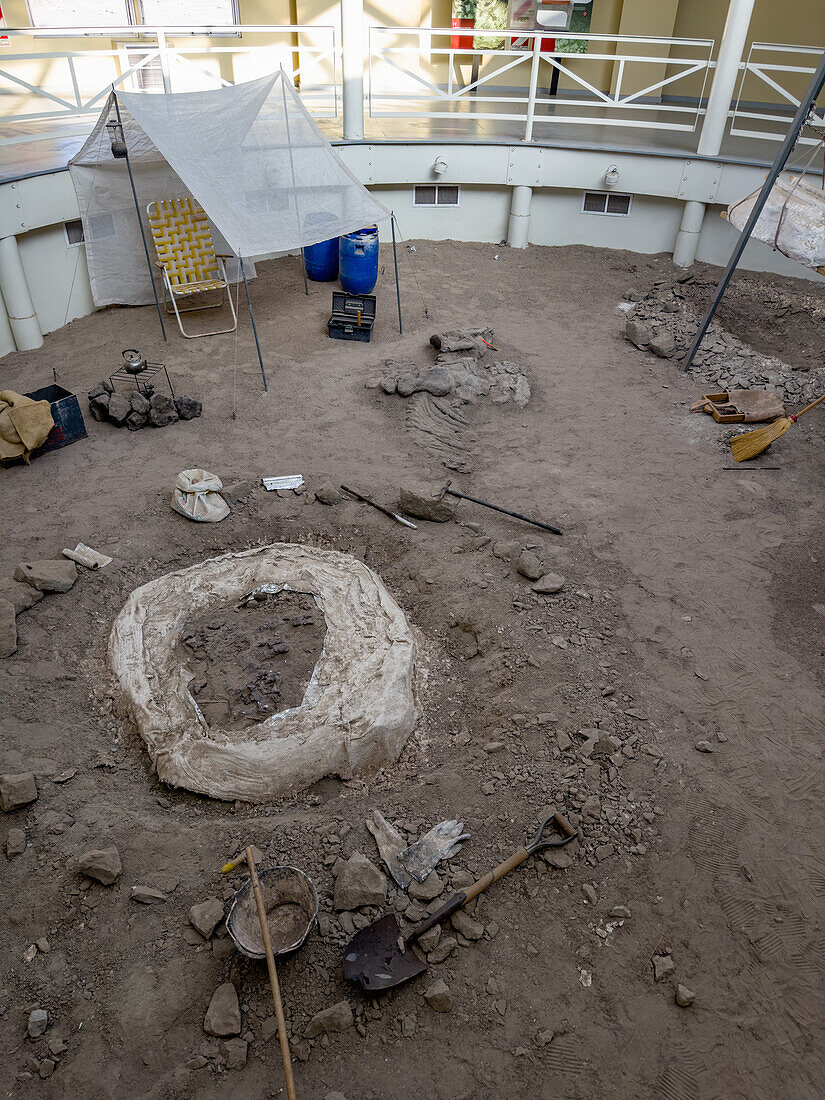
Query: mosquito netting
{"x": 250, "y": 154}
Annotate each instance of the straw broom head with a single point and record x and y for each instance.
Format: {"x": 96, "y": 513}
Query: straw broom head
{"x": 754, "y": 443}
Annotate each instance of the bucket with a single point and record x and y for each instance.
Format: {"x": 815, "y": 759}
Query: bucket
{"x": 321, "y": 261}
{"x": 358, "y": 260}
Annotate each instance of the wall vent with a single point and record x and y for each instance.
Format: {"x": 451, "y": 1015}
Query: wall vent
{"x": 606, "y": 202}
{"x": 435, "y": 194}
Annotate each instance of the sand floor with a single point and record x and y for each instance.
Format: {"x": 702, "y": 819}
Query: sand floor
{"x": 692, "y": 611}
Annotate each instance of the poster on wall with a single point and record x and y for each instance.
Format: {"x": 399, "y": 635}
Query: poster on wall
{"x": 4, "y": 38}
{"x": 538, "y": 15}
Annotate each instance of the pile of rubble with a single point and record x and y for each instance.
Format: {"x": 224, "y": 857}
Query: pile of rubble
{"x": 31, "y": 581}
{"x": 463, "y": 367}
{"x": 140, "y": 410}
{"x": 664, "y": 323}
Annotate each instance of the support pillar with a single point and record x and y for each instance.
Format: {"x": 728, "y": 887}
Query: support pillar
{"x": 734, "y": 37}
{"x": 14, "y": 287}
{"x": 352, "y": 46}
{"x": 519, "y": 227}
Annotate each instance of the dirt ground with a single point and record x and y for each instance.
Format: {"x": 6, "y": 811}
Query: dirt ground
{"x": 692, "y": 611}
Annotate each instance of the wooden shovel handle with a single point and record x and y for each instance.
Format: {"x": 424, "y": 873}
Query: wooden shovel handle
{"x": 457, "y": 901}
{"x": 273, "y": 975}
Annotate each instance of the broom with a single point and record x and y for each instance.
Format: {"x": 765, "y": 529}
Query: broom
{"x": 752, "y": 444}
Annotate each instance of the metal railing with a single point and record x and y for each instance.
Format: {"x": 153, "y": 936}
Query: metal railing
{"x": 423, "y": 85}
{"x": 73, "y": 83}
{"x": 762, "y": 65}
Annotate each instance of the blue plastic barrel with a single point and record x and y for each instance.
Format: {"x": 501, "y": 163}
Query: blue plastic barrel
{"x": 321, "y": 261}
{"x": 358, "y": 261}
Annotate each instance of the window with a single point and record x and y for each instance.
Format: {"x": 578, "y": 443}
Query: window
{"x": 74, "y": 233}
{"x": 149, "y": 77}
{"x": 122, "y": 13}
{"x": 606, "y": 202}
{"x": 435, "y": 194}
{"x": 80, "y": 13}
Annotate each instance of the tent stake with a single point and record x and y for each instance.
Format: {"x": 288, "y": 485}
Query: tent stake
{"x": 140, "y": 220}
{"x": 252, "y": 318}
{"x": 805, "y": 106}
{"x": 395, "y": 261}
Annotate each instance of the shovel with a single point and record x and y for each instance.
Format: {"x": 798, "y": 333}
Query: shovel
{"x": 377, "y": 956}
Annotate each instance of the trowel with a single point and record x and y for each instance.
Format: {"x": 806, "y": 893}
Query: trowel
{"x": 378, "y": 958}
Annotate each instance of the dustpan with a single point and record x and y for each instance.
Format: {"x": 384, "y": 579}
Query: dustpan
{"x": 740, "y": 406}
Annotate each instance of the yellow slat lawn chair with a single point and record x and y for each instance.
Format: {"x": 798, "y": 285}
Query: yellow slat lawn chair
{"x": 186, "y": 257}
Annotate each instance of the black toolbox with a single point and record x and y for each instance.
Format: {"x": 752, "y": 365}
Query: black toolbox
{"x": 353, "y": 316}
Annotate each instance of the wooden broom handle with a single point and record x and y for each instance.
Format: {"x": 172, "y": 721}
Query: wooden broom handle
{"x": 273, "y": 976}
{"x": 796, "y": 416}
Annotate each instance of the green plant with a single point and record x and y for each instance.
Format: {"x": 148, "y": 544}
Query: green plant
{"x": 464, "y": 9}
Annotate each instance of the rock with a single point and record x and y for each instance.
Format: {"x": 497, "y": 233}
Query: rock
{"x": 704, "y": 746}
{"x": 47, "y": 1068}
{"x": 388, "y": 386}
{"x": 620, "y": 912}
{"x": 326, "y": 494}
{"x": 197, "y": 1062}
{"x": 662, "y": 966}
{"x": 467, "y": 926}
{"x": 162, "y": 410}
{"x": 102, "y": 864}
{"x": 359, "y": 882}
{"x": 427, "y": 890}
{"x": 549, "y": 584}
{"x": 47, "y": 576}
{"x": 637, "y": 333}
{"x": 684, "y": 996}
{"x": 529, "y": 565}
{"x": 426, "y": 502}
{"x": 139, "y": 403}
{"x": 17, "y": 790}
{"x": 234, "y": 1050}
{"x": 38, "y": 1022}
{"x": 223, "y": 1017}
{"x": 206, "y": 916}
{"x": 562, "y": 858}
{"x": 606, "y": 744}
{"x": 57, "y": 1046}
{"x": 15, "y": 843}
{"x": 188, "y": 408}
{"x": 98, "y": 390}
{"x": 663, "y": 345}
{"x": 437, "y": 381}
{"x": 438, "y": 996}
{"x": 8, "y": 628}
{"x": 99, "y": 407}
{"x": 589, "y": 892}
{"x": 21, "y": 596}
{"x": 337, "y": 1018}
{"x": 429, "y": 940}
{"x": 136, "y": 420}
{"x": 147, "y": 895}
{"x": 445, "y": 948}
{"x": 119, "y": 408}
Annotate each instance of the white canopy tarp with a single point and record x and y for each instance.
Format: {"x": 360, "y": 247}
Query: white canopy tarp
{"x": 792, "y": 220}
{"x": 251, "y": 155}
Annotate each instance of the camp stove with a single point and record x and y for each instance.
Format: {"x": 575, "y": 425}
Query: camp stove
{"x": 136, "y": 370}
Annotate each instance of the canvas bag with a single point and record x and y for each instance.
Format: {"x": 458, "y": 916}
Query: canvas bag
{"x": 197, "y": 496}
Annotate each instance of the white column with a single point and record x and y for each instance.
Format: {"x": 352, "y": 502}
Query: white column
{"x": 519, "y": 227}
{"x": 352, "y": 46}
{"x": 14, "y": 287}
{"x": 732, "y": 46}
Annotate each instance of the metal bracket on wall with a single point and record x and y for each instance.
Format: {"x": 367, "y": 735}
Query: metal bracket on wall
{"x": 700, "y": 180}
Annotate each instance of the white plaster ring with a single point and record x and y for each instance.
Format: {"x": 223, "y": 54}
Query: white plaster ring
{"x": 359, "y": 707}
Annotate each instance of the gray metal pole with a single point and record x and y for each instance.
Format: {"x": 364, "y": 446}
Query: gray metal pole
{"x": 395, "y": 261}
{"x": 252, "y": 319}
{"x": 805, "y": 105}
{"x": 140, "y": 220}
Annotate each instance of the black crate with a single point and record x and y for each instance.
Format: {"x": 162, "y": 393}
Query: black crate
{"x": 353, "y": 316}
{"x": 69, "y": 425}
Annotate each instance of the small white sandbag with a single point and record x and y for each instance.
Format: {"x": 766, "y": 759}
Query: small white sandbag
{"x": 196, "y": 496}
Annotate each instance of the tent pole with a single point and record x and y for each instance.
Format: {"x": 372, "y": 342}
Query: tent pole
{"x": 140, "y": 220}
{"x": 395, "y": 261}
{"x": 304, "y": 273}
{"x": 252, "y": 318}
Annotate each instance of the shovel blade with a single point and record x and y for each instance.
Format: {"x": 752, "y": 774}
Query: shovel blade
{"x": 376, "y": 958}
